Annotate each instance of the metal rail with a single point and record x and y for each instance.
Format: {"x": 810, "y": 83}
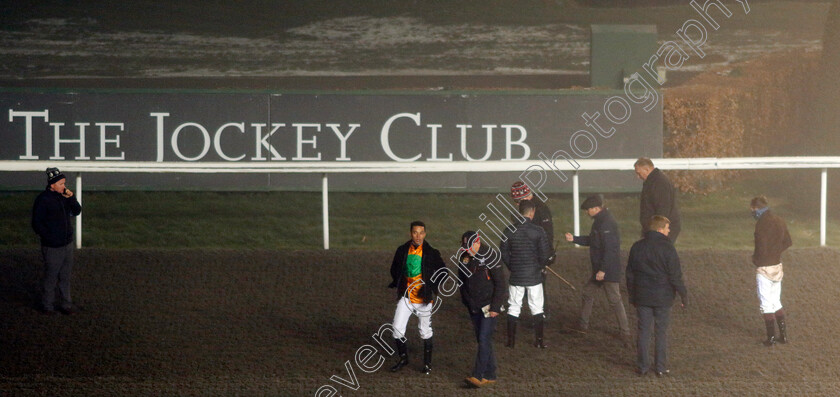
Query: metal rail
{"x": 335, "y": 167}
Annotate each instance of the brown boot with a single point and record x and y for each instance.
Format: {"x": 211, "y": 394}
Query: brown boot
{"x": 770, "y": 325}
{"x": 780, "y": 320}
{"x": 782, "y": 331}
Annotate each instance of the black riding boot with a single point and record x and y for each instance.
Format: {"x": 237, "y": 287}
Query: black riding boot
{"x": 427, "y": 356}
{"x": 402, "y": 350}
{"x": 511, "y": 331}
{"x": 770, "y": 324}
{"x": 539, "y": 322}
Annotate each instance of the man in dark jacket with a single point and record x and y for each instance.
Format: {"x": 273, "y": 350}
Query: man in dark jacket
{"x": 604, "y": 247}
{"x": 542, "y": 214}
{"x": 51, "y": 220}
{"x": 525, "y": 251}
{"x": 771, "y": 239}
{"x": 483, "y": 292}
{"x": 519, "y": 192}
{"x": 414, "y": 264}
{"x": 658, "y": 197}
{"x": 653, "y": 278}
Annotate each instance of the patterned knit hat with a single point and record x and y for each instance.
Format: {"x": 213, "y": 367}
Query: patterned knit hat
{"x": 54, "y": 175}
{"x": 519, "y": 190}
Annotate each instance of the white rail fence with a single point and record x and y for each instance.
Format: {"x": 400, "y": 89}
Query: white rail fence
{"x": 337, "y": 167}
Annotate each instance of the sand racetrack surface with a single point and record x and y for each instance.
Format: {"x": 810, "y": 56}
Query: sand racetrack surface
{"x": 194, "y": 322}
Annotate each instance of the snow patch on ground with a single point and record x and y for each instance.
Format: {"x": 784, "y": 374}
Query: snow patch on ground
{"x": 341, "y": 46}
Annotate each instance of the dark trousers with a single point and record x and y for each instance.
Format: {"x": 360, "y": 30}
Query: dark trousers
{"x": 658, "y": 317}
{"x": 485, "y": 359}
{"x": 58, "y": 262}
{"x": 613, "y": 293}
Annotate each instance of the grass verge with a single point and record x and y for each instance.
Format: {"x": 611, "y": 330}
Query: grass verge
{"x": 292, "y": 220}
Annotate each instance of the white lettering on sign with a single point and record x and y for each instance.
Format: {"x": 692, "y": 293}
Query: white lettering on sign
{"x": 301, "y": 141}
{"x": 509, "y": 142}
{"x": 342, "y": 138}
{"x": 60, "y": 136}
{"x": 384, "y": 137}
{"x": 204, "y": 134}
{"x": 262, "y": 141}
{"x": 57, "y": 141}
{"x": 434, "y": 129}
{"x": 104, "y": 140}
{"x": 28, "y": 117}
{"x": 489, "y": 149}
{"x": 305, "y": 149}
{"x": 236, "y": 141}
{"x": 217, "y": 141}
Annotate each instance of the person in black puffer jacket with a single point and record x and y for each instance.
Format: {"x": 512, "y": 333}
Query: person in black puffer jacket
{"x": 483, "y": 292}
{"x": 51, "y": 220}
{"x": 525, "y": 251}
{"x": 519, "y": 191}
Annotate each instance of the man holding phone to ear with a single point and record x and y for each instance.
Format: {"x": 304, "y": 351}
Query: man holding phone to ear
{"x": 51, "y": 220}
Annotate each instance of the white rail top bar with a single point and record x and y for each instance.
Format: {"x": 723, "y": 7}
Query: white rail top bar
{"x": 732, "y": 163}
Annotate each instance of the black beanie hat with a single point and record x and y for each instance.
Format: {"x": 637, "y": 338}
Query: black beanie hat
{"x": 54, "y": 175}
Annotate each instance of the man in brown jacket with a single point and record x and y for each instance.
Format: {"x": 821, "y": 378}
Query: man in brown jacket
{"x": 771, "y": 239}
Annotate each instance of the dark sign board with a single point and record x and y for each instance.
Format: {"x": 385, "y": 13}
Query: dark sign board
{"x": 313, "y": 127}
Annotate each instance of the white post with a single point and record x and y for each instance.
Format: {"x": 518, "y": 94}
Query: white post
{"x": 325, "y": 210}
{"x": 823, "y": 205}
{"x": 576, "y": 201}
{"x": 78, "y": 194}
